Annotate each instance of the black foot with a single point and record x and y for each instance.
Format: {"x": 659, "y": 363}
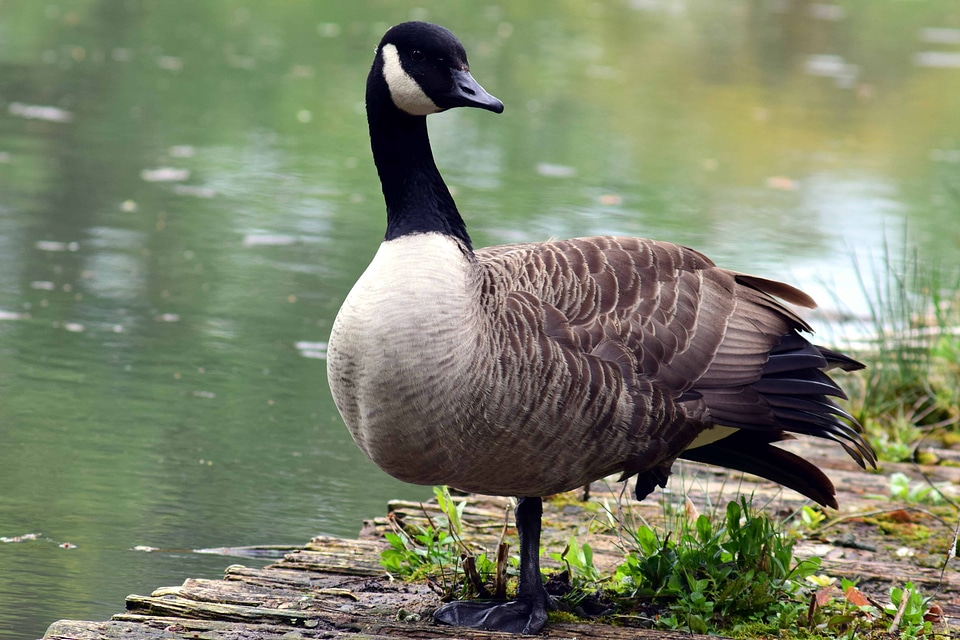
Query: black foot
{"x": 515, "y": 616}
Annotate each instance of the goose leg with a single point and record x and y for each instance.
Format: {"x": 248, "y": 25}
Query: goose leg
{"x": 526, "y": 614}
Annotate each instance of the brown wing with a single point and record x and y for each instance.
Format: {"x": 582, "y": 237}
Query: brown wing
{"x": 669, "y": 306}
{"x": 686, "y": 333}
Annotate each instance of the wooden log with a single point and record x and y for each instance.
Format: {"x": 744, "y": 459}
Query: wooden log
{"x": 157, "y": 628}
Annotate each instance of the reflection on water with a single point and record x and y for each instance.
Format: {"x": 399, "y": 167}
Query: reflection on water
{"x": 187, "y": 196}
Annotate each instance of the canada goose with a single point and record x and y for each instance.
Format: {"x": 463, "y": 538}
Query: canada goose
{"x": 532, "y": 369}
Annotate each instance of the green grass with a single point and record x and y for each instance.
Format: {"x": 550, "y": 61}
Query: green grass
{"x": 732, "y": 573}
{"x": 718, "y": 573}
{"x": 911, "y": 387}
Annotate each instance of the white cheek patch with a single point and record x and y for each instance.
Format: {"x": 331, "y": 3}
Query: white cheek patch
{"x": 404, "y": 90}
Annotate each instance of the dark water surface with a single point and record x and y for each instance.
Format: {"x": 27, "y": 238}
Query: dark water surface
{"x": 186, "y": 196}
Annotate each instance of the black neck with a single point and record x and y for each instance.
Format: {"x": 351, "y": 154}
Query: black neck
{"x": 417, "y": 198}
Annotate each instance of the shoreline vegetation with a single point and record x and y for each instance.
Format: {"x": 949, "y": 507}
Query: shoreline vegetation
{"x": 910, "y": 391}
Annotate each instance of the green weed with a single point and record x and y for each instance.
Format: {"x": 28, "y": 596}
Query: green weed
{"x": 733, "y": 574}
{"x": 911, "y": 386}
{"x": 584, "y": 578}
{"x": 911, "y": 609}
{"x": 712, "y": 575}
{"x": 811, "y": 518}
{"x": 916, "y": 492}
{"x": 438, "y": 551}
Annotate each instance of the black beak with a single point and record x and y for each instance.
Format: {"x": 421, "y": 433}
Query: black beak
{"x": 467, "y": 92}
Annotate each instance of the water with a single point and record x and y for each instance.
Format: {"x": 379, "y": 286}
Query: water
{"x": 186, "y": 195}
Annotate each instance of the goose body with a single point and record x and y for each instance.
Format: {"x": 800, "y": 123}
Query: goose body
{"x": 532, "y": 369}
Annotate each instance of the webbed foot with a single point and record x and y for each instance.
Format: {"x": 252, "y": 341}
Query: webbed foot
{"x": 514, "y": 616}
{"x": 526, "y": 614}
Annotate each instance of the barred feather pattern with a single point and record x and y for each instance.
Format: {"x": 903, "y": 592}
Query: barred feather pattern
{"x": 532, "y": 369}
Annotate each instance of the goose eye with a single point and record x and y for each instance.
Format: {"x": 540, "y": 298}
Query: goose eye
{"x": 417, "y": 56}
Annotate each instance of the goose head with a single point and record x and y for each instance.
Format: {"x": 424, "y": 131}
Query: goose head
{"x": 423, "y": 68}
{"x": 419, "y": 69}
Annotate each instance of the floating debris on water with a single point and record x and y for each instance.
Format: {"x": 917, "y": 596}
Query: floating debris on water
{"x": 316, "y": 350}
{"x": 829, "y": 65}
{"x": 165, "y": 174}
{"x": 828, "y": 12}
{"x": 268, "y": 240}
{"x": 170, "y": 63}
{"x": 937, "y": 59}
{"x": 555, "y": 170}
{"x": 73, "y": 327}
{"x": 167, "y": 317}
{"x": 52, "y": 245}
{"x": 945, "y": 155}
{"x": 129, "y": 206}
{"x": 781, "y": 183}
{"x": 43, "y": 285}
{"x": 301, "y": 71}
{"x": 181, "y": 151}
{"x": 14, "y": 315}
{"x": 940, "y": 35}
{"x": 241, "y": 62}
{"x": 191, "y": 190}
{"x": 264, "y": 551}
{"x": 205, "y": 394}
{"x": 39, "y": 112}
{"x": 24, "y": 538}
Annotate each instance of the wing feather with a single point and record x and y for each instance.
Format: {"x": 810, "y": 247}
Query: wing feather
{"x": 687, "y": 344}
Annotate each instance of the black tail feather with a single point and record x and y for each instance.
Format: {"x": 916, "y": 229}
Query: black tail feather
{"x": 793, "y": 395}
{"x": 751, "y": 452}
{"x": 798, "y": 392}
{"x": 844, "y": 362}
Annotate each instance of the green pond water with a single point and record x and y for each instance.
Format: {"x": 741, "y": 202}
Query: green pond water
{"x": 186, "y": 196}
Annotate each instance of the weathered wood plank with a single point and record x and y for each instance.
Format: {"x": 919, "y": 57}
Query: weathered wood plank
{"x": 159, "y": 628}
{"x": 376, "y": 629}
{"x": 337, "y": 555}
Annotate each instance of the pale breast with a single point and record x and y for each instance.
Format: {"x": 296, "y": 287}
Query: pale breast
{"x": 398, "y": 349}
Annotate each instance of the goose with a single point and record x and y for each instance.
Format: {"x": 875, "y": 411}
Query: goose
{"x": 532, "y": 369}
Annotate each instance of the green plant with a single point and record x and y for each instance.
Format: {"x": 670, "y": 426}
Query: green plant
{"x": 912, "y": 382}
{"x": 579, "y": 561}
{"x": 915, "y": 492}
{"x": 438, "y": 549}
{"x": 715, "y": 575}
{"x": 811, "y": 518}
{"x": 411, "y": 552}
{"x": 909, "y": 607}
{"x": 584, "y": 578}
{"x": 731, "y": 572}
{"x": 846, "y": 612}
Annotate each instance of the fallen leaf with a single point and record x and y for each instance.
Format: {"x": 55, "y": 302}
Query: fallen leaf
{"x": 826, "y": 595}
{"x": 854, "y": 597}
{"x": 934, "y": 614}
